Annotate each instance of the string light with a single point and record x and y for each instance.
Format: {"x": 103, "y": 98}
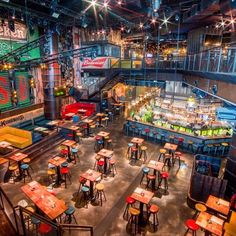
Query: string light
{"x": 105, "y": 4}
{"x": 93, "y": 2}
{"x": 119, "y": 2}
{"x": 141, "y": 25}
{"x": 122, "y": 28}
{"x": 153, "y": 21}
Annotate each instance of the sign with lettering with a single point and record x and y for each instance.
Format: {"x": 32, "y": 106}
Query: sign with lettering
{"x": 97, "y": 63}
{"x": 22, "y": 117}
{"x": 5, "y": 92}
{"x": 20, "y": 33}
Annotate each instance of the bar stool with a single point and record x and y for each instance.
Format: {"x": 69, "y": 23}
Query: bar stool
{"x": 44, "y": 228}
{"x": 109, "y": 144}
{"x": 27, "y": 160}
{"x": 210, "y": 149}
{"x": 99, "y": 145}
{"x": 85, "y": 196}
{"x": 181, "y": 142}
{"x": 133, "y": 153}
{"x": 65, "y": 164}
{"x": 129, "y": 203}
{"x": 154, "y": 134}
{"x": 112, "y": 167}
{"x": 12, "y": 168}
{"x": 97, "y": 158}
{"x": 172, "y": 139}
{"x": 66, "y": 174}
{"x": 216, "y": 148}
{"x": 133, "y": 127}
{"x": 100, "y": 194}
{"x": 147, "y": 132}
{"x": 25, "y": 171}
{"x": 177, "y": 156}
{"x": 35, "y": 224}
{"x": 51, "y": 174}
{"x": 145, "y": 171}
{"x": 191, "y": 225}
{"x": 190, "y": 145}
{"x": 75, "y": 155}
{"x": 105, "y": 119}
{"x": 151, "y": 179}
{"x": 143, "y": 153}
{"x": 111, "y": 115}
{"x": 153, "y": 210}
{"x": 78, "y": 136}
{"x": 128, "y": 153}
{"x": 225, "y": 148}
{"x": 162, "y": 154}
{"x": 64, "y": 152}
{"x": 167, "y": 160}
{"x": 69, "y": 215}
{"x": 100, "y": 166}
{"x": 140, "y": 131}
{"x": 164, "y": 177}
{"x": 82, "y": 182}
{"x": 134, "y": 215}
{"x": 199, "y": 207}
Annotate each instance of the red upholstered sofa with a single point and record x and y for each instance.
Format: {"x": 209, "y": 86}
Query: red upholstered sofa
{"x": 73, "y": 108}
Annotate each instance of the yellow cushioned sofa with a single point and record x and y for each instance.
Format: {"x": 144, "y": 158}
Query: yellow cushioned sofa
{"x": 17, "y": 137}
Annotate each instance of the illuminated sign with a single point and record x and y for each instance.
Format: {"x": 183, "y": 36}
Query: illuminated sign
{"x": 20, "y": 33}
{"x": 22, "y": 87}
{"x": 5, "y": 95}
{"x": 97, "y": 63}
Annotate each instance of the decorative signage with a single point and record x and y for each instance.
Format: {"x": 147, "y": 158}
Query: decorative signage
{"x": 97, "y": 63}
{"x": 5, "y": 92}
{"x": 20, "y": 33}
{"x": 22, "y": 117}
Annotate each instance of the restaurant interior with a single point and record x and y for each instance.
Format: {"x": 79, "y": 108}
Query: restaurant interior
{"x": 117, "y": 117}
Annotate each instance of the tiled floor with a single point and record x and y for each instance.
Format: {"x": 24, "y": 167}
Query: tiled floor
{"x": 107, "y": 220}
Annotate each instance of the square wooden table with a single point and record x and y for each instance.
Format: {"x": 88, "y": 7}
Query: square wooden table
{"x": 57, "y": 161}
{"x": 53, "y": 122}
{"x": 171, "y": 148}
{"x": 69, "y": 143}
{"x": 92, "y": 176}
{"x": 4, "y": 144}
{"x": 5, "y": 147}
{"x": 50, "y": 205}
{"x": 137, "y": 142}
{"x": 88, "y": 122}
{"x": 106, "y": 154}
{"x": 18, "y": 157}
{"x": 218, "y": 204}
{"x": 3, "y": 160}
{"x": 100, "y": 115}
{"x": 69, "y": 115}
{"x": 157, "y": 166}
{"x": 144, "y": 197}
{"x": 210, "y": 223}
{"x": 103, "y": 135}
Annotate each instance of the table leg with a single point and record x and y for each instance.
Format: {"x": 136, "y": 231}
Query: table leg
{"x": 100, "y": 121}
{"x": 58, "y": 176}
{"x": 105, "y": 165}
{"x": 103, "y": 144}
{"x": 88, "y": 129}
{"x": 91, "y": 190}
{"x": 69, "y": 154}
{"x": 136, "y": 153}
{"x": 141, "y": 218}
{"x": 20, "y": 170}
{"x": 74, "y": 134}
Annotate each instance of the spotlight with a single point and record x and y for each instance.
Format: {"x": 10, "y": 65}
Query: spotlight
{"x": 153, "y": 21}
{"x": 217, "y": 26}
{"x": 232, "y": 21}
{"x": 222, "y": 23}
{"x": 93, "y": 2}
{"x": 105, "y": 4}
{"x": 122, "y": 28}
{"x": 141, "y": 25}
{"x": 119, "y": 2}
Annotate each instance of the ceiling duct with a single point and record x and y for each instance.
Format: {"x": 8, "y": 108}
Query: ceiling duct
{"x": 156, "y": 5}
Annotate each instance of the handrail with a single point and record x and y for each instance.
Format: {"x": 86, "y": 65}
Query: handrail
{"x": 75, "y": 226}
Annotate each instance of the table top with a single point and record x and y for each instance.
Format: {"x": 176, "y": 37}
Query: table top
{"x": 57, "y": 161}
{"x": 53, "y": 122}
{"x": 117, "y": 104}
{"x": 4, "y": 144}
{"x": 45, "y": 201}
{"x": 73, "y": 127}
{"x": 171, "y": 146}
{"x": 210, "y": 223}
{"x": 88, "y": 121}
{"x": 100, "y": 114}
{"x": 142, "y": 195}
{"x": 91, "y": 175}
{"x": 40, "y": 129}
{"x": 18, "y": 156}
{"x": 70, "y": 114}
{"x": 156, "y": 165}
{"x": 103, "y": 134}
{"x": 69, "y": 143}
{"x": 82, "y": 110}
{"x": 3, "y": 160}
{"x": 137, "y": 140}
{"x": 218, "y": 204}
{"x": 105, "y": 153}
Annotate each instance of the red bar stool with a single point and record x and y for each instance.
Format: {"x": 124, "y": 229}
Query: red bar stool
{"x": 44, "y": 229}
{"x": 100, "y": 166}
{"x": 64, "y": 152}
{"x": 133, "y": 220}
{"x": 164, "y": 177}
{"x": 97, "y": 158}
{"x": 133, "y": 153}
{"x": 178, "y": 156}
{"x": 66, "y": 174}
{"x": 82, "y": 182}
{"x": 147, "y": 132}
{"x": 181, "y": 142}
{"x": 191, "y": 225}
{"x": 129, "y": 203}
{"x": 153, "y": 210}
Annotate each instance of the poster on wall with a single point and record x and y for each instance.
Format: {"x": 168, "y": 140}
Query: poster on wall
{"x": 5, "y": 94}
{"x": 22, "y": 88}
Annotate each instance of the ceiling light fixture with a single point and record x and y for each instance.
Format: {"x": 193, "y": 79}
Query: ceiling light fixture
{"x": 105, "y": 4}
{"x": 141, "y": 25}
{"x": 153, "y": 20}
{"x": 232, "y": 21}
{"x": 93, "y": 2}
{"x": 122, "y": 28}
{"x": 119, "y": 2}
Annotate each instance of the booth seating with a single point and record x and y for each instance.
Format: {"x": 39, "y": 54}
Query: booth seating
{"x": 41, "y": 121}
{"x": 73, "y": 108}
{"x": 26, "y": 125}
{"x": 17, "y": 137}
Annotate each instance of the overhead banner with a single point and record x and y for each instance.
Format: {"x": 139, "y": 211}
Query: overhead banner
{"x": 20, "y": 33}
{"x": 97, "y": 63}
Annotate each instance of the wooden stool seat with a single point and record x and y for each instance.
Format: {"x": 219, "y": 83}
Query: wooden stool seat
{"x": 51, "y": 171}
{"x": 134, "y": 211}
{"x": 26, "y": 160}
{"x": 143, "y": 148}
{"x": 100, "y": 187}
{"x": 200, "y": 207}
{"x": 163, "y": 151}
{"x": 154, "y": 208}
{"x": 13, "y": 167}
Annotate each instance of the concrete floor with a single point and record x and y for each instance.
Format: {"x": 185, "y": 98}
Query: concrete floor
{"x": 108, "y": 220}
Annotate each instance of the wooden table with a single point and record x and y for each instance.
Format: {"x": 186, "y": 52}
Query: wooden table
{"x": 57, "y": 161}
{"x": 92, "y": 176}
{"x": 171, "y": 148}
{"x": 100, "y": 115}
{"x": 69, "y": 143}
{"x": 5, "y": 147}
{"x": 50, "y": 205}
{"x": 210, "y": 223}
{"x": 157, "y": 167}
{"x": 105, "y": 154}
{"x": 18, "y": 157}
{"x": 74, "y": 129}
{"x": 88, "y": 122}
{"x": 82, "y": 111}
{"x": 218, "y": 204}
{"x": 137, "y": 142}
{"x": 3, "y": 160}
{"x": 69, "y": 115}
{"x": 144, "y": 197}
{"x": 44, "y": 131}
{"x": 103, "y": 135}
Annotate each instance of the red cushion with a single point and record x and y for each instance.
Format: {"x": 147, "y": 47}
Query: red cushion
{"x": 100, "y": 163}
{"x": 191, "y": 224}
{"x": 164, "y": 175}
{"x": 44, "y": 228}
{"x": 178, "y": 153}
{"x": 147, "y": 130}
{"x": 64, "y": 151}
{"x": 64, "y": 170}
{"x": 130, "y": 200}
{"x": 180, "y": 139}
{"x": 133, "y": 149}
